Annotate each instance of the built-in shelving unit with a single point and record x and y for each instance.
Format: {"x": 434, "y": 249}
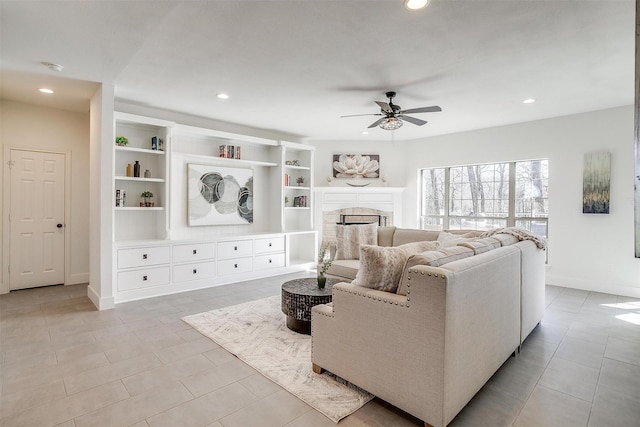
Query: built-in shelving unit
{"x": 155, "y": 250}
{"x": 132, "y": 221}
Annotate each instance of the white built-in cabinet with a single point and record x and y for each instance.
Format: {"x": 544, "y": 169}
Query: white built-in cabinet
{"x": 156, "y": 252}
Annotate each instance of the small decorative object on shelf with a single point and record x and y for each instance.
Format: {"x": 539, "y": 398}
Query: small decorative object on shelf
{"x": 136, "y": 169}
{"x": 129, "y": 169}
{"x": 300, "y": 180}
{"x": 286, "y": 201}
{"x": 147, "y": 173}
{"x": 147, "y": 199}
{"x": 324, "y": 262}
{"x": 291, "y": 163}
{"x": 154, "y": 143}
{"x": 121, "y": 141}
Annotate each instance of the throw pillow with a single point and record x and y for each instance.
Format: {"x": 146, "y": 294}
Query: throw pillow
{"x": 381, "y": 266}
{"x": 350, "y": 237}
{"x": 447, "y": 239}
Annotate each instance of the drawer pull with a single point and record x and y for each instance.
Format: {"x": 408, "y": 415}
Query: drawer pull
{"x": 144, "y": 256}
{"x": 269, "y": 261}
{"x": 235, "y": 248}
{"x": 195, "y": 271}
{"x": 195, "y": 251}
{"x": 269, "y": 244}
{"x": 235, "y": 265}
{"x": 144, "y": 278}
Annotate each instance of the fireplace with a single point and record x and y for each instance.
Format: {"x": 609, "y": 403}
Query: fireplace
{"x": 347, "y": 205}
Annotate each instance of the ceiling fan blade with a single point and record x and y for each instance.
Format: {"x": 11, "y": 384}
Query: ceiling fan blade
{"x": 413, "y": 120}
{"x": 385, "y": 106}
{"x": 356, "y": 115}
{"x": 432, "y": 109}
{"x": 376, "y": 123}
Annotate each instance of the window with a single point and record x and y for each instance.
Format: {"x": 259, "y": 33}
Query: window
{"x": 482, "y": 197}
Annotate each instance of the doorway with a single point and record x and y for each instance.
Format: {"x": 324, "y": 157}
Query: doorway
{"x": 36, "y": 218}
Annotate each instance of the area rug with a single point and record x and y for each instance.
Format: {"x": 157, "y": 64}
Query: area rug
{"x": 257, "y": 334}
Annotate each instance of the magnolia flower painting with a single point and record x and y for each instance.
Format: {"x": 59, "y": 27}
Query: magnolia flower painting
{"x": 356, "y": 165}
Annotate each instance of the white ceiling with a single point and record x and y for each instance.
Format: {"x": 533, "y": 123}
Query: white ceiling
{"x": 296, "y": 66}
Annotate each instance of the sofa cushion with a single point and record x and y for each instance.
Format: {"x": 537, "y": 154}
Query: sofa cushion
{"x": 407, "y": 235}
{"x": 505, "y": 239}
{"x": 481, "y": 245}
{"x": 385, "y": 236}
{"x": 350, "y": 237}
{"x": 347, "y": 268}
{"x": 381, "y": 266}
{"x": 434, "y": 258}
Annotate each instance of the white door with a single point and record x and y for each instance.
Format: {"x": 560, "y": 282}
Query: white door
{"x": 36, "y": 218}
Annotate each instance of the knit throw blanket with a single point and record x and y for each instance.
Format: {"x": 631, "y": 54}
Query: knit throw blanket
{"x": 520, "y": 234}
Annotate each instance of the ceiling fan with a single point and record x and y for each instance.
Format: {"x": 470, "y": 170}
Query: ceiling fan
{"x": 393, "y": 115}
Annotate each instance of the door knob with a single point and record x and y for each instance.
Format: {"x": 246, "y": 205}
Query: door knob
{"x": 59, "y": 225}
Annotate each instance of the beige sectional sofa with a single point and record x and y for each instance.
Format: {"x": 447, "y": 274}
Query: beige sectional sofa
{"x": 429, "y": 347}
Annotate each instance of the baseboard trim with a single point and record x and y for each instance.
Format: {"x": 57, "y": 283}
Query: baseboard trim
{"x": 100, "y": 303}
{"x": 585, "y": 285}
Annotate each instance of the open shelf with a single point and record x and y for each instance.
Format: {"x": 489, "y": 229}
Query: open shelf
{"x": 139, "y": 150}
{"x": 139, "y": 208}
{"x": 230, "y": 161}
{"x": 139, "y": 179}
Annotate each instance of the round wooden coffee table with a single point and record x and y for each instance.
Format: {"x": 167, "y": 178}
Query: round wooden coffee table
{"x": 298, "y": 296}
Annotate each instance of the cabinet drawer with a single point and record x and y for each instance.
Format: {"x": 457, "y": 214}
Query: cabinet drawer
{"x": 194, "y": 252}
{"x": 136, "y": 279}
{"x": 273, "y": 244}
{"x": 234, "y": 266}
{"x": 201, "y": 270}
{"x": 235, "y": 248}
{"x": 140, "y": 257}
{"x": 268, "y": 261}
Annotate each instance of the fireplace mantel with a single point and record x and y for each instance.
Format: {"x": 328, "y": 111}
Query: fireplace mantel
{"x": 381, "y": 198}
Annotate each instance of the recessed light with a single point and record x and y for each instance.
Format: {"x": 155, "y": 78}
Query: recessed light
{"x": 222, "y": 96}
{"x": 52, "y": 66}
{"x": 45, "y": 90}
{"x": 364, "y": 132}
{"x": 415, "y": 4}
{"x": 529, "y": 101}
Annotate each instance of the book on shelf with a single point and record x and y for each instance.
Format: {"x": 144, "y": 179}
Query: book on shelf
{"x": 229, "y": 151}
{"x": 120, "y": 198}
{"x": 286, "y": 179}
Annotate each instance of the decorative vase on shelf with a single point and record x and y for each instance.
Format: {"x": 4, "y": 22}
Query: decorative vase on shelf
{"x": 136, "y": 169}
{"x": 322, "y": 281}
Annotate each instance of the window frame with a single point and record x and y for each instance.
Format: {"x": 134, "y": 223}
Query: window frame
{"x": 444, "y": 220}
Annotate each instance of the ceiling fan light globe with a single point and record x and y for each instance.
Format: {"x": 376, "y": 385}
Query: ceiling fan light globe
{"x": 415, "y": 4}
{"x": 390, "y": 123}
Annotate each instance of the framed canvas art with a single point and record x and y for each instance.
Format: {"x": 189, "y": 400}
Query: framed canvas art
{"x": 596, "y": 183}
{"x": 356, "y": 165}
{"x": 219, "y": 195}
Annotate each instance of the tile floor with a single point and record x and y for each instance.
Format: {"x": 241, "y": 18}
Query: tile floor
{"x": 66, "y": 364}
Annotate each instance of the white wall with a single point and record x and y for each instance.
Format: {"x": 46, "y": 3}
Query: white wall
{"x": 592, "y": 252}
{"x": 33, "y": 127}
